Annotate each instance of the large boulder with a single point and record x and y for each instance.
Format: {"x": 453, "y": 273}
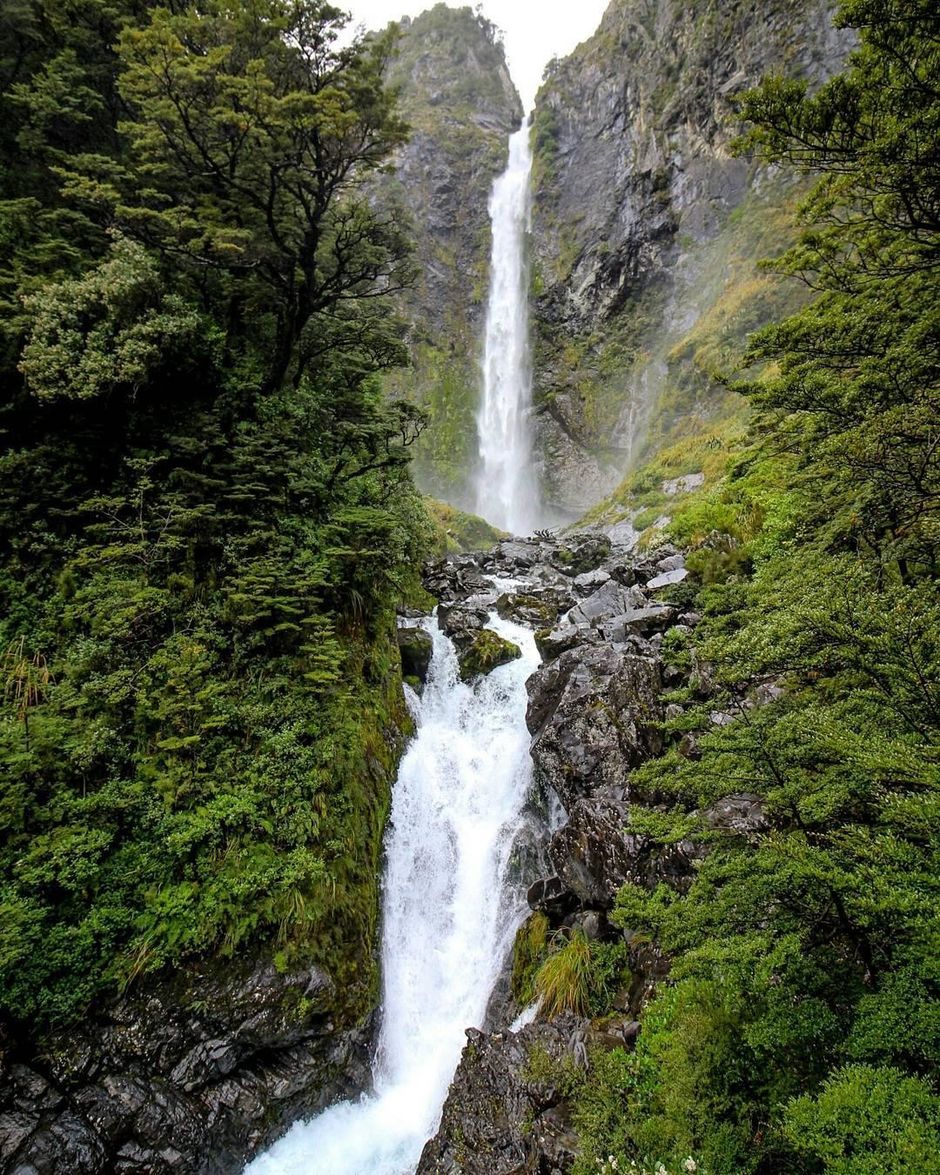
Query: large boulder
{"x": 611, "y": 599}
{"x": 500, "y": 1118}
{"x": 581, "y": 552}
{"x": 535, "y": 606}
{"x": 416, "y": 647}
{"x": 484, "y": 653}
{"x": 595, "y": 714}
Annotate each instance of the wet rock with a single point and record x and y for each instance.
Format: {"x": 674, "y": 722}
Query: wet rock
{"x": 484, "y": 653}
{"x": 580, "y": 553}
{"x": 461, "y": 623}
{"x": 193, "y": 1075}
{"x": 551, "y": 896}
{"x": 594, "y": 713}
{"x": 499, "y": 1119}
{"x": 595, "y": 853}
{"x": 415, "y": 646}
{"x": 552, "y": 642}
{"x": 538, "y": 607}
{"x": 455, "y": 578}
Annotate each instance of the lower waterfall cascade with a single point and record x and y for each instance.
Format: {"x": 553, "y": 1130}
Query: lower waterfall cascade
{"x": 450, "y": 912}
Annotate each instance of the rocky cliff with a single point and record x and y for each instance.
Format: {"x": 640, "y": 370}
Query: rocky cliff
{"x": 646, "y": 229}
{"x": 460, "y": 101}
{"x": 597, "y": 707}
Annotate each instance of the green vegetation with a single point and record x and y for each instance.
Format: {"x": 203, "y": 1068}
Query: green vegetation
{"x": 487, "y": 651}
{"x": 563, "y": 981}
{"x": 456, "y": 531}
{"x": 799, "y": 1028}
{"x": 206, "y": 516}
{"x": 528, "y": 954}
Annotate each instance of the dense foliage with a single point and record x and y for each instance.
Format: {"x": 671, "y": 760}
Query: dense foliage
{"x": 800, "y": 1028}
{"x": 205, "y": 511}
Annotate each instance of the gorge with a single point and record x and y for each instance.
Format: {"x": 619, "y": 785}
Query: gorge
{"x": 468, "y": 617}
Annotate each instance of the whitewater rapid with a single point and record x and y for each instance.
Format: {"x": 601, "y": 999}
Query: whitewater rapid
{"x": 506, "y": 489}
{"x": 450, "y": 912}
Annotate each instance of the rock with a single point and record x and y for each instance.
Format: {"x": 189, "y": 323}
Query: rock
{"x": 741, "y": 814}
{"x": 484, "y": 653}
{"x": 537, "y": 608}
{"x": 518, "y": 555}
{"x": 461, "y": 623}
{"x": 594, "y": 712}
{"x": 552, "y": 897}
{"x": 581, "y": 552}
{"x": 595, "y": 853}
{"x": 684, "y": 485}
{"x": 611, "y": 599}
{"x": 498, "y": 1119}
{"x": 416, "y": 647}
{"x": 552, "y": 642}
{"x": 623, "y": 535}
{"x": 193, "y": 1074}
{"x": 455, "y": 578}
{"x": 588, "y": 583}
{"x": 634, "y": 184}
{"x": 667, "y": 579}
{"x": 637, "y": 622}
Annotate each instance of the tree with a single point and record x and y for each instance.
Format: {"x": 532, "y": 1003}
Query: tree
{"x": 251, "y": 141}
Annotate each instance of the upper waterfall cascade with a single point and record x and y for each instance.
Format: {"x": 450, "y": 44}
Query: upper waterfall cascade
{"x": 507, "y": 490}
{"x": 450, "y": 912}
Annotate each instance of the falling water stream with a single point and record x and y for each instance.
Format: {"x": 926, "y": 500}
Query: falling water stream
{"x": 507, "y": 491}
{"x": 450, "y": 909}
{"x": 450, "y": 912}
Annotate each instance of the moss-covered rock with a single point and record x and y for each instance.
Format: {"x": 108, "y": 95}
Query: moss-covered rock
{"x": 485, "y": 652}
{"x": 416, "y": 647}
{"x": 457, "y": 531}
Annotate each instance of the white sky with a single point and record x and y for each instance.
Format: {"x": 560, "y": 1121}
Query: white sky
{"x": 536, "y": 30}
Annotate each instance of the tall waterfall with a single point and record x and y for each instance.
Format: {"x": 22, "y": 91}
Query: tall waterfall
{"x": 450, "y": 913}
{"x": 507, "y": 492}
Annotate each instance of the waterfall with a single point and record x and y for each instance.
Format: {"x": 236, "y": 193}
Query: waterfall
{"x": 507, "y": 492}
{"x": 450, "y": 913}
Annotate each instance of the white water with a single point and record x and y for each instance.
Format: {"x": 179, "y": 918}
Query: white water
{"x": 507, "y": 491}
{"x": 450, "y": 914}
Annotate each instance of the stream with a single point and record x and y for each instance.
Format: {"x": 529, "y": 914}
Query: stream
{"x": 450, "y": 912}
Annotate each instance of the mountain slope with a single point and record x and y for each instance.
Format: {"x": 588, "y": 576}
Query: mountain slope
{"x": 457, "y": 95}
{"x": 645, "y": 227}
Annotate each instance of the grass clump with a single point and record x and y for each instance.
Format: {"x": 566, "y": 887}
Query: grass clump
{"x": 527, "y": 956}
{"x": 563, "y": 982}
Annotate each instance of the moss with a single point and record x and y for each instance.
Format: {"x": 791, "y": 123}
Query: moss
{"x": 528, "y": 954}
{"x": 456, "y": 530}
{"x": 487, "y": 651}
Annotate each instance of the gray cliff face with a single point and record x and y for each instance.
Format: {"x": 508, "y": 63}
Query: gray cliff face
{"x": 460, "y": 101}
{"x": 633, "y": 180}
{"x": 192, "y": 1074}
